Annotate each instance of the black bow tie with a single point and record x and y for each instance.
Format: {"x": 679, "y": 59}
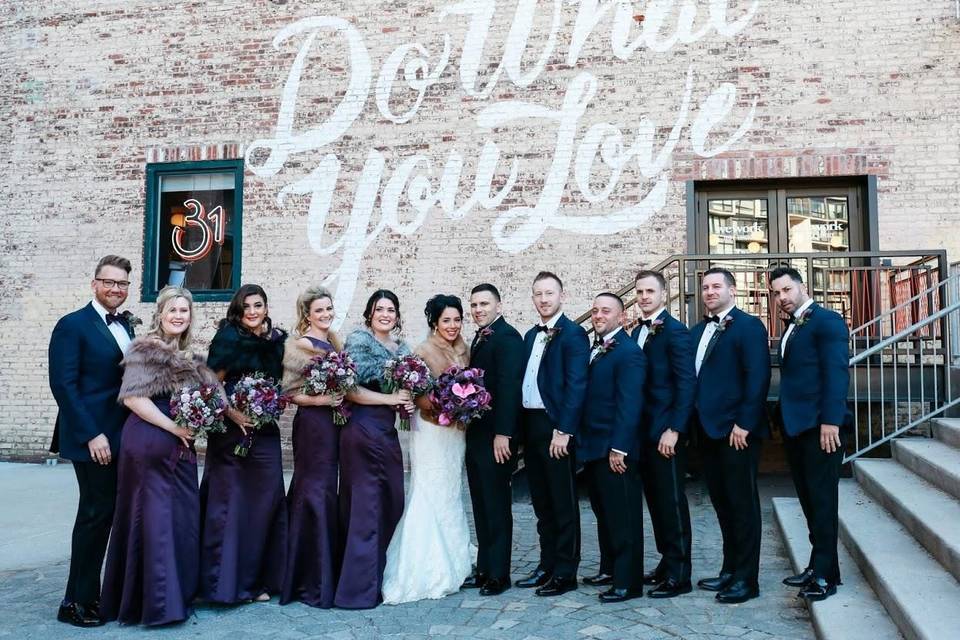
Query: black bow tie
{"x": 646, "y": 323}
{"x": 787, "y": 321}
{"x": 542, "y": 327}
{"x": 710, "y": 318}
{"x": 114, "y": 317}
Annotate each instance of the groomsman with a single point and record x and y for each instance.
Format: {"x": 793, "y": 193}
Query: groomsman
{"x": 86, "y": 348}
{"x": 497, "y": 348}
{"x": 814, "y": 378}
{"x": 733, "y": 377}
{"x": 667, "y": 405}
{"x": 557, "y": 352}
{"x": 609, "y": 445}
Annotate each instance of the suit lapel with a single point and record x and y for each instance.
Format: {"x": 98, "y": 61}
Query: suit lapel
{"x": 794, "y": 334}
{"x": 101, "y": 327}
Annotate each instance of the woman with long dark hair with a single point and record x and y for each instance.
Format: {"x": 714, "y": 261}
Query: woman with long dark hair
{"x": 244, "y": 525}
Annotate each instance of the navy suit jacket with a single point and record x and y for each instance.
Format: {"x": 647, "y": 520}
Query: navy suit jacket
{"x": 500, "y": 355}
{"x": 734, "y": 377}
{"x": 815, "y": 372}
{"x": 611, "y": 416}
{"x": 671, "y": 378}
{"x": 85, "y": 376}
{"x": 562, "y": 377}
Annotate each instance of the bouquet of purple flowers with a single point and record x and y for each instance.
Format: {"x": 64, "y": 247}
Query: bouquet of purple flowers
{"x": 200, "y": 409}
{"x": 408, "y": 373}
{"x": 259, "y": 398}
{"x": 460, "y": 396}
{"x": 331, "y": 374}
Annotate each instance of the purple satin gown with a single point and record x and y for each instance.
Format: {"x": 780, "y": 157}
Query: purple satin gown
{"x": 371, "y": 502}
{"x": 151, "y": 571}
{"x": 312, "y": 562}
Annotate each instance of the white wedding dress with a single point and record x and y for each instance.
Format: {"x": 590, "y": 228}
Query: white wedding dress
{"x": 430, "y": 554}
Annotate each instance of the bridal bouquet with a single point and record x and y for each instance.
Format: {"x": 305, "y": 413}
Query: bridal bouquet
{"x": 200, "y": 409}
{"x": 408, "y": 373}
{"x": 257, "y": 397}
{"x": 331, "y": 374}
{"x": 460, "y": 396}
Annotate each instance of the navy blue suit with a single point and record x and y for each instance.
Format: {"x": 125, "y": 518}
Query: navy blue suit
{"x": 732, "y": 387}
{"x": 85, "y": 376}
{"x": 667, "y": 403}
{"x": 562, "y": 383}
{"x": 611, "y": 420}
{"x": 814, "y": 379}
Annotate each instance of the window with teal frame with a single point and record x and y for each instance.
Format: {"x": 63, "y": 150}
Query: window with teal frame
{"x": 193, "y": 225}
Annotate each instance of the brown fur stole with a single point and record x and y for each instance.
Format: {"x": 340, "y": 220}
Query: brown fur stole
{"x": 153, "y": 368}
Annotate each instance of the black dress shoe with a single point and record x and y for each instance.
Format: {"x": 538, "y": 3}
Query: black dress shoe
{"x": 494, "y": 586}
{"x": 557, "y": 586}
{"x": 818, "y": 589}
{"x": 738, "y": 592}
{"x": 537, "y": 578}
{"x": 475, "y": 581}
{"x": 78, "y": 616}
{"x": 670, "y": 588}
{"x": 655, "y": 577}
{"x": 799, "y": 580}
{"x": 716, "y": 584}
{"x": 619, "y": 595}
{"x": 600, "y": 580}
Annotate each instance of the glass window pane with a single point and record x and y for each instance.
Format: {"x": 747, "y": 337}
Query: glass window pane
{"x": 196, "y": 231}
{"x": 818, "y": 223}
{"x": 738, "y": 226}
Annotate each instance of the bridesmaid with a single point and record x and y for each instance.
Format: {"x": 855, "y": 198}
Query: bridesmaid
{"x": 310, "y": 575}
{"x": 371, "y": 465}
{"x": 244, "y": 523}
{"x": 151, "y": 569}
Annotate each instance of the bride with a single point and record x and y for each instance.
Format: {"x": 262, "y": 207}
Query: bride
{"x": 430, "y": 554}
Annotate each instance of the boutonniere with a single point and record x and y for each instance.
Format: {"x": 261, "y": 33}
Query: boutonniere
{"x": 550, "y": 334}
{"x": 804, "y": 318}
{"x": 723, "y": 324}
{"x": 483, "y": 334}
{"x": 655, "y": 327}
{"x": 131, "y": 320}
{"x": 605, "y": 347}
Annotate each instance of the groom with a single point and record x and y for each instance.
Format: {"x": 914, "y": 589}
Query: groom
{"x": 497, "y": 348}
{"x": 85, "y": 373}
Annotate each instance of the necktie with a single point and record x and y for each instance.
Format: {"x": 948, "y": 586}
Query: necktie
{"x": 114, "y": 317}
{"x": 597, "y": 341}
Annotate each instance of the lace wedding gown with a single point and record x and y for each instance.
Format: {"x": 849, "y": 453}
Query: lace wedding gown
{"x": 430, "y": 554}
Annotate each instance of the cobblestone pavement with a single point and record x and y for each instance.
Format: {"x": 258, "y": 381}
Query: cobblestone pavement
{"x": 29, "y": 597}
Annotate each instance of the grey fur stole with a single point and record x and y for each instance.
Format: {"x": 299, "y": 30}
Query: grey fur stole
{"x": 370, "y": 354}
{"x": 153, "y": 368}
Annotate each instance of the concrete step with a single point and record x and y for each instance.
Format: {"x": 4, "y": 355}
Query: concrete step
{"x": 932, "y": 460}
{"x": 855, "y": 612}
{"x": 918, "y": 593}
{"x": 931, "y": 515}
{"x": 947, "y": 431}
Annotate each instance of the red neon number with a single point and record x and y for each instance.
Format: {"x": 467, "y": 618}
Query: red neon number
{"x": 199, "y": 217}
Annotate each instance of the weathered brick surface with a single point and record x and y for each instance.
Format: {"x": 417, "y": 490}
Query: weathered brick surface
{"x": 93, "y": 90}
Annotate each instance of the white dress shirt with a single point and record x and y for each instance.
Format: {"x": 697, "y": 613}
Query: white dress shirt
{"x": 117, "y": 329}
{"x": 531, "y": 390}
{"x": 708, "y": 332}
{"x": 786, "y": 334}
{"x": 645, "y": 330}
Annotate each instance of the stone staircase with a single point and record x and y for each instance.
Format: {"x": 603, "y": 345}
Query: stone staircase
{"x": 900, "y": 557}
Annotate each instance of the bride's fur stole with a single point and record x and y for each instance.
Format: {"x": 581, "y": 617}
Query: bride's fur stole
{"x": 152, "y": 368}
{"x": 369, "y": 354}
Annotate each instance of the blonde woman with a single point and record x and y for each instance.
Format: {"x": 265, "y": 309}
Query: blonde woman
{"x": 151, "y": 572}
{"x": 311, "y": 571}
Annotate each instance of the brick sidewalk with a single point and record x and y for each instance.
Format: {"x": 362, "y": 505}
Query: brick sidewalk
{"x": 29, "y": 598}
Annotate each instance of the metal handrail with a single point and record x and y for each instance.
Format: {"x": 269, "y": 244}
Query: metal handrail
{"x": 906, "y": 303}
{"x": 897, "y": 337}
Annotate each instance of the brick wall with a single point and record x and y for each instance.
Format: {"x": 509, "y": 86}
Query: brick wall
{"x": 768, "y": 88}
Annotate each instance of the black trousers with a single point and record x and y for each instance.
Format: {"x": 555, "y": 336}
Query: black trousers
{"x": 816, "y": 476}
{"x": 91, "y": 530}
{"x": 663, "y": 485}
{"x": 491, "y": 493}
{"x": 731, "y": 477}
{"x": 553, "y": 492}
{"x": 617, "y": 501}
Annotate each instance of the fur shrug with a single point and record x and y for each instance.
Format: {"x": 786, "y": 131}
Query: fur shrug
{"x": 153, "y": 368}
{"x": 440, "y": 354}
{"x": 370, "y": 354}
{"x": 296, "y": 356}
